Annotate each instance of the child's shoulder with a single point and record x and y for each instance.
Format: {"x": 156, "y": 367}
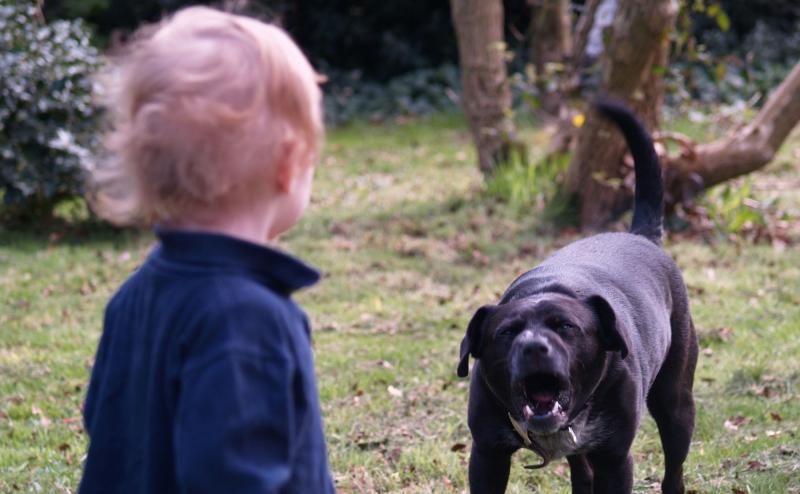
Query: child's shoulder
{"x": 216, "y": 295}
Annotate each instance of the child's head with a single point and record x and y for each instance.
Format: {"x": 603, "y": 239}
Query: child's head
{"x": 208, "y": 110}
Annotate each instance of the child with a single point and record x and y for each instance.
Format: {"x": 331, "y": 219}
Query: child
{"x": 204, "y": 380}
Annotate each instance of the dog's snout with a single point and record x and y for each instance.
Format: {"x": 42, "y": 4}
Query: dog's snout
{"x": 536, "y": 347}
{"x": 534, "y": 352}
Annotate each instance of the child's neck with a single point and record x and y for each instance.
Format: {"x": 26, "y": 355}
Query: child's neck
{"x": 254, "y": 225}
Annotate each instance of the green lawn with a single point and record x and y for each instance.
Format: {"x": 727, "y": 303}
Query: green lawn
{"x": 410, "y": 246}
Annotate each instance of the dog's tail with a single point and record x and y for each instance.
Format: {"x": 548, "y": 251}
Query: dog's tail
{"x": 648, "y": 207}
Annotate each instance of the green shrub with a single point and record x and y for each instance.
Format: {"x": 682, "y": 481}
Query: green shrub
{"x": 532, "y": 187}
{"x": 421, "y": 92}
{"x": 732, "y": 52}
{"x": 734, "y": 211}
{"x": 47, "y": 120}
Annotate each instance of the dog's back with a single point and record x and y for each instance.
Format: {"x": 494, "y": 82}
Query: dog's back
{"x": 637, "y": 278}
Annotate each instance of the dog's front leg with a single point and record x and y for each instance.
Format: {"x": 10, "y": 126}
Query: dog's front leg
{"x": 613, "y": 473}
{"x": 580, "y": 474}
{"x": 488, "y": 470}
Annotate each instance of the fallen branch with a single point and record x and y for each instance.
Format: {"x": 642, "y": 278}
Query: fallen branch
{"x": 742, "y": 151}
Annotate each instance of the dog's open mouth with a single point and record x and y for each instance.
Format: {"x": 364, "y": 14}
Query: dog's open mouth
{"x": 544, "y": 396}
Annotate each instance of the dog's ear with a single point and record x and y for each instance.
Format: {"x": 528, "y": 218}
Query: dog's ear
{"x": 611, "y": 335}
{"x": 471, "y": 344}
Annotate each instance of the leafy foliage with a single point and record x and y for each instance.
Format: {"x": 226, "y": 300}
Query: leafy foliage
{"x": 47, "y": 119}
{"x": 720, "y": 57}
{"x": 420, "y": 92}
{"x": 735, "y": 211}
{"x": 532, "y": 187}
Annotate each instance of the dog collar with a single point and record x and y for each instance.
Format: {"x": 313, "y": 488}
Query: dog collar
{"x": 524, "y": 434}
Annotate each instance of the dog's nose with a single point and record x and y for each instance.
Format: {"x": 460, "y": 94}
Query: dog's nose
{"x": 536, "y": 347}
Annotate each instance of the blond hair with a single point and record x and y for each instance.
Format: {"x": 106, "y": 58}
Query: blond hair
{"x": 200, "y": 105}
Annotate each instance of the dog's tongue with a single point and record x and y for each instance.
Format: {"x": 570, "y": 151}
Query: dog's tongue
{"x": 542, "y": 397}
{"x": 542, "y": 402}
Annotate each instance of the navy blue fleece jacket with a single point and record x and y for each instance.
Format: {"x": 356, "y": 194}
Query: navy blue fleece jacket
{"x": 204, "y": 379}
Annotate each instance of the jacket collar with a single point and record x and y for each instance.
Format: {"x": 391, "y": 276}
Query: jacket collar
{"x": 282, "y": 271}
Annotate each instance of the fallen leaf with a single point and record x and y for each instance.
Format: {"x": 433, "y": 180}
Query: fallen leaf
{"x": 741, "y": 420}
{"x": 773, "y": 433}
{"x": 393, "y": 455}
{"x": 378, "y": 443}
{"x": 755, "y": 465}
{"x": 394, "y": 391}
{"x": 768, "y": 392}
{"x": 776, "y": 417}
{"x": 458, "y": 447}
{"x": 734, "y": 423}
{"x": 716, "y": 335}
{"x": 725, "y": 333}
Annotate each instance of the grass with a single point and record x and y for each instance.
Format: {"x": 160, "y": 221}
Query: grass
{"x": 410, "y": 246}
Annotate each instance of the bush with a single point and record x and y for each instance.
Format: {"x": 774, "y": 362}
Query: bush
{"x": 731, "y": 52}
{"x": 533, "y": 186}
{"x": 421, "y": 92}
{"x": 47, "y": 120}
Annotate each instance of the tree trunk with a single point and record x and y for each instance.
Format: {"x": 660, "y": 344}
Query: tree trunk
{"x": 486, "y": 97}
{"x": 582, "y": 29}
{"x": 550, "y": 49}
{"x": 639, "y": 43}
{"x": 744, "y": 150}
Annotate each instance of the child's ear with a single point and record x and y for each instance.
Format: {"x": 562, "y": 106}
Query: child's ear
{"x": 288, "y": 166}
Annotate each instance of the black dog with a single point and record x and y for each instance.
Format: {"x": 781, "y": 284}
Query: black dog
{"x": 569, "y": 356}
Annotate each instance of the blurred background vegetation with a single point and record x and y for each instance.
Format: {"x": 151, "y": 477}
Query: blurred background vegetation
{"x": 385, "y": 61}
{"x": 394, "y": 57}
{"x": 364, "y": 46}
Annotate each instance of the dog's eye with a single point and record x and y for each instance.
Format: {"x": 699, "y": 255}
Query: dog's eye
{"x": 506, "y": 331}
{"x": 564, "y": 326}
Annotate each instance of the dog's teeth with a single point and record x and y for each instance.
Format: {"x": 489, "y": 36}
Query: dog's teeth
{"x": 557, "y": 407}
{"x": 527, "y": 412}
